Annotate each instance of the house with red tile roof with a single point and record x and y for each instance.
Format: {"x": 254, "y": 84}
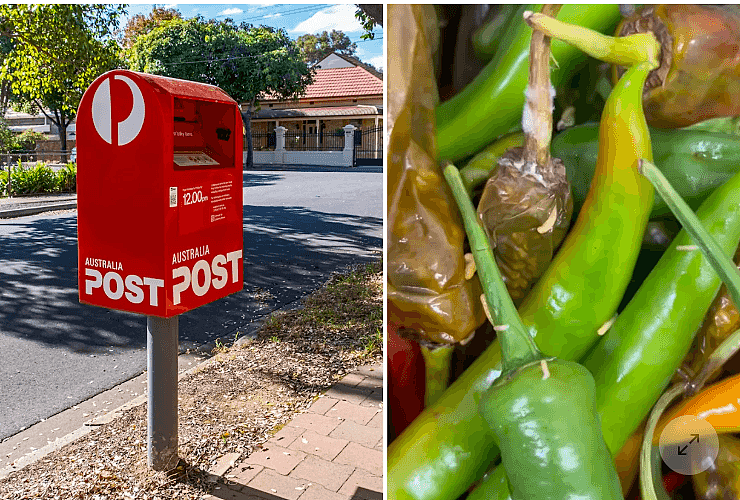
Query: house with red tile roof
{"x": 344, "y": 92}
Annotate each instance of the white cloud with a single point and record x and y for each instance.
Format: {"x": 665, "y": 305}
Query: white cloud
{"x": 170, "y": 6}
{"x": 337, "y": 17}
{"x": 256, "y": 8}
{"x": 230, "y": 12}
{"x": 378, "y": 62}
{"x": 272, "y": 16}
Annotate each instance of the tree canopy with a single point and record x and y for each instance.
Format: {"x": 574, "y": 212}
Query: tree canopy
{"x": 56, "y": 51}
{"x": 369, "y": 16}
{"x": 316, "y": 47}
{"x": 141, "y": 25}
{"x": 244, "y": 61}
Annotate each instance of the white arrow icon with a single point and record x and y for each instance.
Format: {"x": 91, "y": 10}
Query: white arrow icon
{"x": 129, "y": 128}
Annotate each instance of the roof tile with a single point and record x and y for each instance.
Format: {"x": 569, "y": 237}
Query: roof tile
{"x": 342, "y": 82}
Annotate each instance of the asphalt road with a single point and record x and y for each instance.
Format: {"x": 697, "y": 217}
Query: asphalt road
{"x": 299, "y": 227}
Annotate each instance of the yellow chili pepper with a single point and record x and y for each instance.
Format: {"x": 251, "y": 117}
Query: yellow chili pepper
{"x": 718, "y": 404}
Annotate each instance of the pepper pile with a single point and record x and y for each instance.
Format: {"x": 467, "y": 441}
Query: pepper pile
{"x": 565, "y": 375}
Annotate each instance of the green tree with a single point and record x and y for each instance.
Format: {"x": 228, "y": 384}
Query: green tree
{"x": 244, "y": 61}
{"x": 316, "y": 47}
{"x": 141, "y": 25}
{"x": 58, "y": 50}
{"x": 369, "y": 16}
{"x": 6, "y": 46}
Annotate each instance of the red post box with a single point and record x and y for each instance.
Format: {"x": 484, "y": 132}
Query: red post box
{"x": 159, "y": 194}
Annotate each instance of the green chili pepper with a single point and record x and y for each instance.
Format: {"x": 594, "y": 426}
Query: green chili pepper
{"x": 650, "y": 338}
{"x": 488, "y": 37}
{"x": 481, "y": 166}
{"x": 491, "y": 105}
{"x": 449, "y": 445}
{"x": 659, "y": 323}
{"x": 542, "y": 410}
{"x": 695, "y": 162}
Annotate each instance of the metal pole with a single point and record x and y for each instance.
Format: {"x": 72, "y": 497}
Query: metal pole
{"x": 161, "y": 350}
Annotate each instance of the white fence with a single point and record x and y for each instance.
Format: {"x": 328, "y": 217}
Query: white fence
{"x": 281, "y": 156}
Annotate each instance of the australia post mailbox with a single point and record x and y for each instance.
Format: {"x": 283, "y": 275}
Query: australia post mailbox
{"x": 159, "y": 194}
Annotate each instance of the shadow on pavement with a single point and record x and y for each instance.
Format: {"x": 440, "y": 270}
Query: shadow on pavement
{"x": 288, "y": 252}
{"x": 260, "y": 180}
{"x": 232, "y": 488}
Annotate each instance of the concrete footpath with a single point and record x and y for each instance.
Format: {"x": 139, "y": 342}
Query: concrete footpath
{"x": 21, "y": 206}
{"x": 333, "y": 451}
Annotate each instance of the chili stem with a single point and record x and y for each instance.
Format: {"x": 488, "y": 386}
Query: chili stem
{"x": 517, "y": 347}
{"x": 437, "y": 369}
{"x": 721, "y": 263}
{"x": 728, "y": 348}
{"x": 623, "y": 50}
{"x": 479, "y": 169}
{"x": 537, "y": 116}
{"x": 647, "y": 486}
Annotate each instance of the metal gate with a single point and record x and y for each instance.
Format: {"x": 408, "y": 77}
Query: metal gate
{"x": 369, "y": 146}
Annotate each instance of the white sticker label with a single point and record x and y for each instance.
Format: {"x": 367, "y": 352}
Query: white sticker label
{"x": 173, "y": 196}
{"x": 193, "y": 159}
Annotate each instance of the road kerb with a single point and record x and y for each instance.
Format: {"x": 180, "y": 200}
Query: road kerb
{"x": 87, "y": 427}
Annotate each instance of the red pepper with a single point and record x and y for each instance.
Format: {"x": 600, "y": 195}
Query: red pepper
{"x": 673, "y": 481}
{"x": 406, "y": 384}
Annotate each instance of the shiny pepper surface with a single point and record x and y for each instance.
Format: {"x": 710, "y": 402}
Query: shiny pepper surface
{"x": 694, "y": 161}
{"x": 653, "y": 334}
{"x": 699, "y": 76}
{"x": 549, "y": 433}
{"x": 449, "y": 445}
{"x": 492, "y": 104}
{"x": 427, "y": 289}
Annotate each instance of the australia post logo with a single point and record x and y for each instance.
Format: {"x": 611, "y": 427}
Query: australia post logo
{"x": 116, "y": 115}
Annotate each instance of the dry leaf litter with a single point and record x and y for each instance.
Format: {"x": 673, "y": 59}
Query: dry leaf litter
{"x": 233, "y": 404}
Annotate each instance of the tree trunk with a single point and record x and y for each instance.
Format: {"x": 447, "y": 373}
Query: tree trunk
{"x": 247, "y": 117}
{"x": 4, "y": 98}
{"x": 60, "y": 120}
{"x": 63, "y": 135}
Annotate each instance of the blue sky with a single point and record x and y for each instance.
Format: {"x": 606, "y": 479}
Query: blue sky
{"x": 297, "y": 19}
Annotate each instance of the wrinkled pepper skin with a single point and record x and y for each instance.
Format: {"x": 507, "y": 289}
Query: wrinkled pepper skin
{"x": 491, "y": 105}
{"x": 549, "y": 433}
{"x": 427, "y": 291}
{"x": 651, "y": 337}
{"x": 695, "y": 162}
{"x": 449, "y": 446}
{"x": 722, "y": 479}
{"x": 700, "y": 70}
{"x": 513, "y": 208}
{"x": 722, "y": 319}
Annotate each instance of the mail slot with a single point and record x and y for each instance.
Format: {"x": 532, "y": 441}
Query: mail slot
{"x": 159, "y": 194}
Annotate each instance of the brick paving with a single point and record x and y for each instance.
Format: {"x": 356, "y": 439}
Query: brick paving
{"x": 333, "y": 451}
